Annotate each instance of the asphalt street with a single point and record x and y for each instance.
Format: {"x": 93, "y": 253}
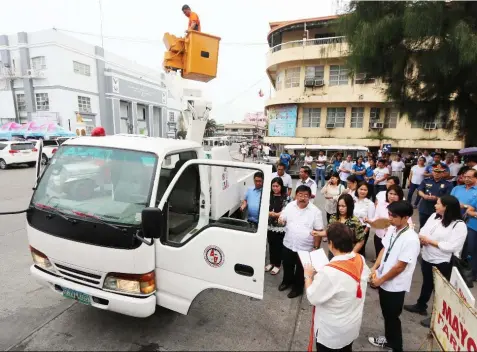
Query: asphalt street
{"x": 35, "y": 318}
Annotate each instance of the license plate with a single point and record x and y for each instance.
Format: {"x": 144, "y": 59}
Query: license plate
{"x": 26, "y": 152}
{"x": 77, "y": 296}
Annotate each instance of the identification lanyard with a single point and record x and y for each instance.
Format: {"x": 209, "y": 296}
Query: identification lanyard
{"x": 391, "y": 242}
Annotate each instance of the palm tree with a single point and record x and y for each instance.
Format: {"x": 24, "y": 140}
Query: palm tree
{"x": 210, "y": 127}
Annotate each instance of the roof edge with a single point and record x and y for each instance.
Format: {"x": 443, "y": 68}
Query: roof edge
{"x": 274, "y": 26}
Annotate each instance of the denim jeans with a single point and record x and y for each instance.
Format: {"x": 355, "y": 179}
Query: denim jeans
{"x": 320, "y": 174}
{"x": 472, "y": 249}
{"x": 412, "y": 188}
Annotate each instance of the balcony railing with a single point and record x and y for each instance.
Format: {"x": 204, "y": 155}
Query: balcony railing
{"x": 307, "y": 42}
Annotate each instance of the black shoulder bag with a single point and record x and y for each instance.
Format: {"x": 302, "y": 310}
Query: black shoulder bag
{"x": 463, "y": 264}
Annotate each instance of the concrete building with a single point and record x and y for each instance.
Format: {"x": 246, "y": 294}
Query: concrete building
{"x": 317, "y": 102}
{"x": 245, "y": 130}
{"x": 48, "y": 75}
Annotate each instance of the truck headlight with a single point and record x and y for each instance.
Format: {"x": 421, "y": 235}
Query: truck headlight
{"x": 131, "y": 283}
{"x": 41, "y": 260}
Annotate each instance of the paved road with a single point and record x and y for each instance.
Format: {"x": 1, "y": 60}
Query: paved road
{"x": 35, "y": 318}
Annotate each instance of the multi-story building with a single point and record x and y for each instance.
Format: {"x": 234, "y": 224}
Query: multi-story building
{"x": 48, "y": 75}
{"x": 317, "y": 102}
{"x": 245, "y": 131}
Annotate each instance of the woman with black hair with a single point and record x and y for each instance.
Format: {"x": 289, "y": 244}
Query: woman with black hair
{"x": 393, "y": 194}
{"x": 276, "y": 232}
{"x": 344, "y": 215}
{"x": 443, "y": 234}
{"x": 364, "y": 209}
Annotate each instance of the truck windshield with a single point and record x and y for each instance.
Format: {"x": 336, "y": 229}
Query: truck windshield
{"x": 113, "y": 185}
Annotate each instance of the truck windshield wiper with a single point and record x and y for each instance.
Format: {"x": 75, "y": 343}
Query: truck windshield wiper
{"x": 53, "y": 210}
{"x": 97, "y": 219}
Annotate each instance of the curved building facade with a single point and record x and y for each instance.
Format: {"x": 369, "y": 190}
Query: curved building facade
{"x": 316, "y": 101}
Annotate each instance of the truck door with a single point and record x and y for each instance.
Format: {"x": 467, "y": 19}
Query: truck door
{"x": 195, "y": 253}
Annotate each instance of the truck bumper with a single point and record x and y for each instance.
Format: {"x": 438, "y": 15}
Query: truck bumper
{"x": 132, "y": 306}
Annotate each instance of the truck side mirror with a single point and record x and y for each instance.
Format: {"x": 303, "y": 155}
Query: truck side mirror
{"x": 151, "y": 222}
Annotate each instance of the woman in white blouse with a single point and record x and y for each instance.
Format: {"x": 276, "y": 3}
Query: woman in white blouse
{"x": 443, "y": 234}
{"x": 364, "y": 209}
{"x": 332, "y": 190}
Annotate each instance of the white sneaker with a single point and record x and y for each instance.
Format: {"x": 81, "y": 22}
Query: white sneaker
{"x": 379, "y": 341}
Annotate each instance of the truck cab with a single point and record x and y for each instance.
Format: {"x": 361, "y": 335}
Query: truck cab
{"x": 126, "y": 223}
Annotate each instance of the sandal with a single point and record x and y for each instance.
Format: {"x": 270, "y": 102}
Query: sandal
{"x": 275, "y": 270}
{"x": 268, "y": 268}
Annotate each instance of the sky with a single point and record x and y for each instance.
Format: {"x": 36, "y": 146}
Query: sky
{"x": 243, "y": 26}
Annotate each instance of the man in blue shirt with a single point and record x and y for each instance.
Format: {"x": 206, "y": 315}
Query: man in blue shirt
{"x": 430, "y": 190}
{"x": 437, "y": 160}
{"x": 467, "y": 196}
{"x": 359, "y": 169}
{"x": 253, "y": 198}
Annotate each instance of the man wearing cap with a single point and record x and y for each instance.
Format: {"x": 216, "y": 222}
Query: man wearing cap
{"x": 430, "y": 190}
{"x": 194, "y": 22}
{"x": 437, "y": 160}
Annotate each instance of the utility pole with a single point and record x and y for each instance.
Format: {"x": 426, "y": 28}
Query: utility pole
{"x": 101, "y": 22}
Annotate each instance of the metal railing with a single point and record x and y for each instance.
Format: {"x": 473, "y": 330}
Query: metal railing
{"x": 307, "y": 42}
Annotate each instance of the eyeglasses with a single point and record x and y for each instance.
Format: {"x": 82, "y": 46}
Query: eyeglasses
{"x": 302, "y": 195}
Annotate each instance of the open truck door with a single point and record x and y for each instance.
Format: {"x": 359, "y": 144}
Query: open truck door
{"x": 38, "y": 167}
{"x": 196, "y": 252}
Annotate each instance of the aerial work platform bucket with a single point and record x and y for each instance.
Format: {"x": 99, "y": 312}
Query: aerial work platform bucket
{"x": 196, "y": 55}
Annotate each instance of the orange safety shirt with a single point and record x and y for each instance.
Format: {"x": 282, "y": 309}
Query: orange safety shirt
{"x": 193, "y": 17}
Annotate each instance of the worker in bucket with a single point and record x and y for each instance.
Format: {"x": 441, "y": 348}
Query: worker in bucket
{"x": 194, "y": 22}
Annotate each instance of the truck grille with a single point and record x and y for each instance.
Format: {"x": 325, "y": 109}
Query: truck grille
{"x": 78, "y": 275}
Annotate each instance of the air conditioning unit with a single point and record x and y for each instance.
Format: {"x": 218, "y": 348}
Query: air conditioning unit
{"x": 319, "y": 83}
{"x": 430, "y": 126}
{"x": 330, "y": 125}
{"x": 309, "y": 82}
{"x": 377, "y": 125}
{"x": 35, "y": 73}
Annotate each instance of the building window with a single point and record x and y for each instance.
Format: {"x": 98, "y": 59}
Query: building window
{"x": 311, "y": 117}
{"x": 338, "y": 75}
{"x": 171, "y": 116}
{"x": 336, "y": 117}
{"x": 315, "y": 72}
{"x": 390, "y": 118}
{"x": 292, "y": 77}
{"x": 279, "y": 84}
{"x": 357, "y": 117}
{"x": 363, "y": 78}
{"x": 81, "y": 69}
{"x": 42, "y": 102}
{"x": 21, "y": 103}
{"x": 374, "y": 114}
{"x": 428, "y": 125}
{"x": 38, "y": 63}
{"x": 84, "y": 104}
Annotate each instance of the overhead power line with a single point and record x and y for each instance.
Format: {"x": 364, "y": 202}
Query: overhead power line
{"x": 147, "y": 40}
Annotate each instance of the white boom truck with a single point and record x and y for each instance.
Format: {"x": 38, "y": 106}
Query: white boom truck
{"x": 126, "y": 223}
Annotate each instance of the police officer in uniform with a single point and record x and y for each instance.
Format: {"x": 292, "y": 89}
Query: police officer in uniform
{"x": 430, "y": 190}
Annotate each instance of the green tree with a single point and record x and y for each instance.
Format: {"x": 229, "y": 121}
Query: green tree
{"x": 210, "y": 127}
{"x": 427, "y": 53}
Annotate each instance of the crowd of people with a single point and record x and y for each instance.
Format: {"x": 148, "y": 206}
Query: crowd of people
{"x": 360, "y": 197}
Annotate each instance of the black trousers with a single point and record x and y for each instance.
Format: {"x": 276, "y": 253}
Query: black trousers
{"x": 323, "y": 348}
{"x": 275, "y": 247}
{"x": 428, "y": 280}
{"x": 293, "y": 270}
{"x": 378, "y": 245}
{"x": 391, "y": 307}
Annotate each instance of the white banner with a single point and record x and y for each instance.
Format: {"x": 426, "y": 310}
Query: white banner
{"x": 454, "y": 322}
{"x": 459, "y": 284}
